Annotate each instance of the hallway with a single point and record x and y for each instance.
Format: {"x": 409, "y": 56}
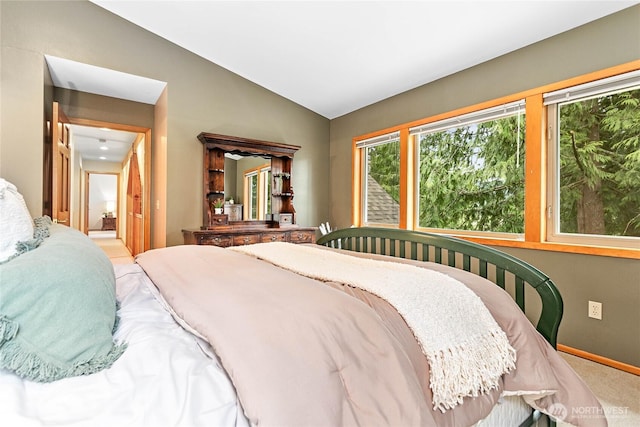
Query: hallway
{"x": 114, "y": 248}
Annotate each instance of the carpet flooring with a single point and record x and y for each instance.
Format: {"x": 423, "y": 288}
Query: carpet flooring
{"x": 114, "y": 248}
{"x": 618, "y": 391}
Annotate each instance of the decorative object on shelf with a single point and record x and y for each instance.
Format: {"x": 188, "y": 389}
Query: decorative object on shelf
{"x": 279, "y": 186}
{"x": 218, "y": 206}
{"x": 285, "y": 219}
{"x": 234, "y": 211}
{"x": 110, "y": 206}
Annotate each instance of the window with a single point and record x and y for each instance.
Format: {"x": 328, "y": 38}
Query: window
{"x": 381, "y": 179}
{"x": 470, "y": 171}
{"x": 551, "y": 168}
{"x": 251, "y": 196}
{"x": 265, "y": 190}
{"x": 594, "y": 147}
{"x": 257, "y": 185}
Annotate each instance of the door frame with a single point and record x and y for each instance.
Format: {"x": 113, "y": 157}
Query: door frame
{"x": 87, "y": 189}
{"x": 146, "y": 190}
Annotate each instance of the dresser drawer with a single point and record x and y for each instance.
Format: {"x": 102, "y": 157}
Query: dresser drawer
{"x": 221, "y": 219}
{"x": 302, "y": 236}
{"x": 274, "y": 237}
{"x": 246, "y": 239}
{"x": 215, "y": 240}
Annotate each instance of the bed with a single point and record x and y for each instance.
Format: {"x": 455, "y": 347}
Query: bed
{"x": 278, "y": 334}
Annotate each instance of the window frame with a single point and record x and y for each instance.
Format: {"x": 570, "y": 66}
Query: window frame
{"x": 262, "y": 174}
{"x": 501, "y": 110}
{"x": 619, "y": 83}
{"x": 364, "y": 145}
{"x": 536, "y": 173}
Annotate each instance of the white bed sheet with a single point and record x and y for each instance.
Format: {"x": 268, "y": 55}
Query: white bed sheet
{"x": 510, "y": 411}
{"x": 164, "y": 378}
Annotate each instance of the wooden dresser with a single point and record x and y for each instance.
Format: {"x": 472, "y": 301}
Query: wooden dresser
{"x": 241, "y": 233}
{"x": 269, "y": 215}
{"x": 108, "y": 223}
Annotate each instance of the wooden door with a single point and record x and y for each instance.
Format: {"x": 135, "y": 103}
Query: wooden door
{"x": 60, "y": 167}
{"x": 135, "y": 218}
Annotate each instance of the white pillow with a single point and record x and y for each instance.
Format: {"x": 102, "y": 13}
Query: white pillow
{"x": 16, "y": 224}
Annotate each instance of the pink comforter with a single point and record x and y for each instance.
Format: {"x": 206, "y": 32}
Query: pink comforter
{"x": 300, "y": 353}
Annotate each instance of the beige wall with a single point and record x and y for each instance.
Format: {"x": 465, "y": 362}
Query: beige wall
{"x": 200, "y": 96}
{"x": 608, "y": 42}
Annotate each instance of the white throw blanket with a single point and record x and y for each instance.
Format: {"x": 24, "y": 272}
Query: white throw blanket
{"x": 466, "y": 349}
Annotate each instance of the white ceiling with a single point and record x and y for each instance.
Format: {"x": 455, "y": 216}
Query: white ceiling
{"x": 99, "y": 144}
{"x": 101, "y": 81}
{"x": 332, "y": 57}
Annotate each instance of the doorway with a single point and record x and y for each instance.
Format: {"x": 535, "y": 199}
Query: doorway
{"x": 106, "y": 152}
{"x": 102, "y": 207}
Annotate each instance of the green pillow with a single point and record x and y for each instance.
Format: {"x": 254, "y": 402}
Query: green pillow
{"x": 58, "y": 309}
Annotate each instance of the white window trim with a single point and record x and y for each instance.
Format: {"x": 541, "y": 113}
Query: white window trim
{"x": 553, "y": 174}
{"x": 248, "y": 204}
{"x": 263, "y": 194}
{"x": 475, "y": 117}
{"x": 378, "y": 140}
{"x": 363, "y": 145}
{"x": 480, "y": 116}
{"x": 613, "y": 84}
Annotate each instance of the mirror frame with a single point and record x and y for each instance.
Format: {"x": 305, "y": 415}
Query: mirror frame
{"x": 244, "y": 147}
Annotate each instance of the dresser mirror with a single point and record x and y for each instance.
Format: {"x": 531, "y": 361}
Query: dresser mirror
{"x": 255, "y": 174}
{"x": 247, "y": 182}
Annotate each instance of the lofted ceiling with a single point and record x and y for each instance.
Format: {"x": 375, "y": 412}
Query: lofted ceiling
{"x": 334, "y": 57}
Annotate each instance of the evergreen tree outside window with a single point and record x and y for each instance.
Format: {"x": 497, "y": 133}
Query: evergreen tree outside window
{"x": 463, "y": 171}
{"x": 471, "y": 171}
{"x": 595, "y": 155}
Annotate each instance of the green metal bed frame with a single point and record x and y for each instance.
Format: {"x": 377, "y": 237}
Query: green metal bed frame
{"x": 496, "y": 266}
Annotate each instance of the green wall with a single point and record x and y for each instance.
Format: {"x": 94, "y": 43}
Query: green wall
{"x": 201, "y": 97}
{"x": 607, "y": 42}
{"x": 205, "y": 97}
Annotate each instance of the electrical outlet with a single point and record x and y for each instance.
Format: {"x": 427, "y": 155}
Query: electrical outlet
{"x": 595, "y": 310}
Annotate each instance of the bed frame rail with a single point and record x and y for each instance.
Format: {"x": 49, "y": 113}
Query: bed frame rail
{"x": 461, "y": 254}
